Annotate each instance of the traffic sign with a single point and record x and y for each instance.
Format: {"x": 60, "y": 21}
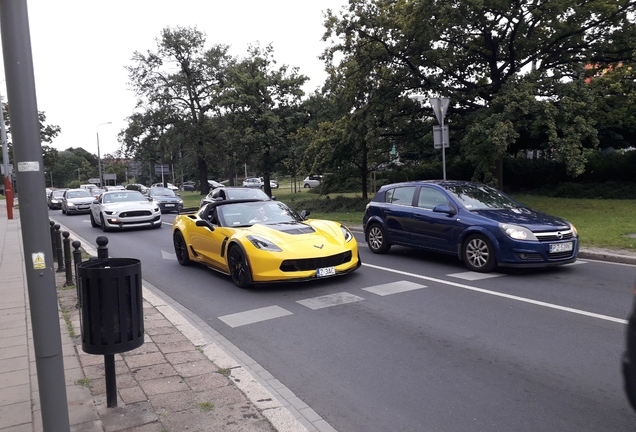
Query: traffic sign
{"x": 440, "y": 135}
{"x": 440, "y": 106}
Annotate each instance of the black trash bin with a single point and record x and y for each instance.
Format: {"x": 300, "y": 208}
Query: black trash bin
{"x": 111, "y": 305}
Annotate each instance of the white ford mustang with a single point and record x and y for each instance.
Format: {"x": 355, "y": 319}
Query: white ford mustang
{"x": 124, "y": 209}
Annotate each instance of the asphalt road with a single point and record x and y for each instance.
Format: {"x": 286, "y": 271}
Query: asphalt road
{"x": 414, "y": 342}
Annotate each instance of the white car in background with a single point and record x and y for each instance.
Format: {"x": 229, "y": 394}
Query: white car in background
{"x": 312, "y": 181}
{"x": 168, "y": 185}
{"x": 124, "y": 209}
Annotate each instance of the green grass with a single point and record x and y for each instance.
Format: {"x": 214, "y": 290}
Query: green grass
{"x": 600, "y": 222}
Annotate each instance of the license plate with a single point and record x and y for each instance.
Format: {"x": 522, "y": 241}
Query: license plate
{"x": 326, "y": 271}
{"x": 561, "y": 247}
{"x": 169, "y": 205}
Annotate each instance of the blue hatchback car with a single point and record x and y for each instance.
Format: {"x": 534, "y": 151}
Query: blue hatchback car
{"x": 479, "y": 224}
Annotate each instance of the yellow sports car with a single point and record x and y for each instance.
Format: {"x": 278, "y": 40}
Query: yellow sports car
{"x": 258, "y": 241}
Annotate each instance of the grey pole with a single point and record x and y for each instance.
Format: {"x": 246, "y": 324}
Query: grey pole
{"x": 36, "y": 239}
{"x": 99, "y": 157}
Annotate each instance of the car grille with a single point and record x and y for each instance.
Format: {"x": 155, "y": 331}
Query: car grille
{"x": 554, "y": 235}
{"x": 135, "y": 213}
{"x": 560, "y": 255}
{"x": 315, "y": 263}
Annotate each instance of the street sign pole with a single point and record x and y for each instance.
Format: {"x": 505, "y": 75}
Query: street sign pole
{"x": 440, "y": 105}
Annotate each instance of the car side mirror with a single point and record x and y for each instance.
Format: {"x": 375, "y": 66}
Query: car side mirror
{"x": 445, "y": 209}
{"x": 204, "y": 223}
{"x": 304, "y": 214}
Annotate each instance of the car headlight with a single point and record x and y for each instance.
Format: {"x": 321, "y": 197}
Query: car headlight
{"x": 156, "y": 209}
{"x": 263, "y": 244}
{"x": 110, "y": 212}
{"x": 517, "y": 232}
{"x": 70, "y": 204}
{"x": 347, "y": 234}
{"x": 576, "y": 233}
{"x": 180, "y": 201}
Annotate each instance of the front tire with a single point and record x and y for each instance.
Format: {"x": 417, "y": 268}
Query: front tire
{"x": 181, "y": 249}
{"x": 479, "y": 254}
{"x": 93, "y": 223}
{"x": 239, "y": 267}
{"x": 103, "y": 222}
{"x": 306, "y": 186}
{"x": 377, "y": 239}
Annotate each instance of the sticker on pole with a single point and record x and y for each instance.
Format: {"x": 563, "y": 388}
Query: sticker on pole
{"x": 38, "y": 260}
{"x": 28, "y": 166}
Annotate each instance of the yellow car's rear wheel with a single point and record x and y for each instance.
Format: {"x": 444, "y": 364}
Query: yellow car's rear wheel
{"x": 239, "y": 267}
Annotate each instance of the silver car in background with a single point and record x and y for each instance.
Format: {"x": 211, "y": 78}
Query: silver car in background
{"x": 124, "y": 209}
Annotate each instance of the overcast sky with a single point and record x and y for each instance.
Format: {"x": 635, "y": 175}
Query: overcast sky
{"x": 80, "y": 48}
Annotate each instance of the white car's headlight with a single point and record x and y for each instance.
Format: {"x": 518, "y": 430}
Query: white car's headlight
{"x": 517, "y": 232}
{"x": 347, "y": 234}
{"x": 110, "y": 212}
{"x": 263, "y": 244}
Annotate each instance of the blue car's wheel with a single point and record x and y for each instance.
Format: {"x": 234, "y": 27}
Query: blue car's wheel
{"x": 377, "y": 240}
{"x": 479, "y": 254}
{"x": 239, "y": 267}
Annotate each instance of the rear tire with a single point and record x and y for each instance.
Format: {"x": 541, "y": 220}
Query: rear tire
{"x": 306, "y": 186}
{"x": 479, "y": 254}
{"x": 239, "y": 267}
{"x": 181, "y": 249}
{"x": 377, "y": 239}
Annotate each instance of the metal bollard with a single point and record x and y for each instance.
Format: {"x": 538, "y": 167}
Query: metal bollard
{"x": 77, "y": 257}
{"x": 102, "y": 248}
{"x": 52, "y": 228}
{"x": 67, "y": 258}
{"x": 58, "y": 248}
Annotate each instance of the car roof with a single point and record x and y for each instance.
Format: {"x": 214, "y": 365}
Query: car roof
{"x": 441, "y": 183}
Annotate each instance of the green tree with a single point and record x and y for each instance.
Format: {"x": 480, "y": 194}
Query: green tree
{"x": 178, "y": 85}
{"x": 262, "y": 102}
{"x": 476, "y": 52}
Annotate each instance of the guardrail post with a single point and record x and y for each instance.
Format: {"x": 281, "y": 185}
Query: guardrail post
{"x": 58, "y": 248}
{"x": 67, "y": 258}
{"x": 52, "y": 227}
{"x": 102, "y": 246}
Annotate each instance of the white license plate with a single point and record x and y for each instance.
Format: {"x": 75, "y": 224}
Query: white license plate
{"x": 561, "y": 247}
{"x": 327, "y": 271}
{"x": 169, "y": 205}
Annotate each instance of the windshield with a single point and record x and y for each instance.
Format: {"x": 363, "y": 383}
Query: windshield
{"x": 57, "y": 194}
{"x": 247, "y": 214}
{"x": 244, "y": 193}
{"x": 79, "y": 194}
{"x": 479, "y": 197}
{"x": 161, "y": 192}
{"x": 123, "y": 196}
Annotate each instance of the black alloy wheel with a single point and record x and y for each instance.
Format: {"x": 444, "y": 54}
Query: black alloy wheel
{"x": 376, "y": 239}
{"x": 479, "y": 254}
{"x": 93, "y": 223}
{"x": 104, "y": 227}
{"x": 181, "y": 249}
{"x": 239, "y": 267}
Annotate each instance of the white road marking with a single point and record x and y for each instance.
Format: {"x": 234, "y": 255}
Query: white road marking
{"x": 393, "y": 288}
{"x": 473, "y": 276}
{"x": 168, "y": 255}
{"x": 497, "y": 294}
{"x": 329, "y": 300}
{"x": 254, "y": 316}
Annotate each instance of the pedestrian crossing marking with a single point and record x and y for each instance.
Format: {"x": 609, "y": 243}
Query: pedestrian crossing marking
{"x": 393, "y": 288}
{"x": 473, "y": 276}
{"x": 254, "y": 316}
{"x": 329, "y": 300}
